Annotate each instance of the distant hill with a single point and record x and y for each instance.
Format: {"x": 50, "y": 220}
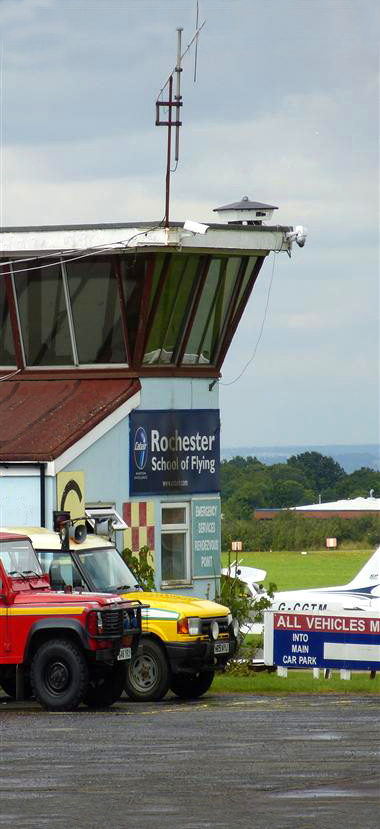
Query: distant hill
{"x": 349, "y": 457}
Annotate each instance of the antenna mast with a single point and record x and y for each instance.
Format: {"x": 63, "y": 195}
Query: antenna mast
{"x": 174, "y": 108}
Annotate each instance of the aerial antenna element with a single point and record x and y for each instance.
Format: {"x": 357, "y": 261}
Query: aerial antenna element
{"x": 173, "y": 107}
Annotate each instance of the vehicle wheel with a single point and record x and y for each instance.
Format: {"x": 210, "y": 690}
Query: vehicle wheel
{"x": 105, "y": 689}
{"x": 148, "y": 674}
{"x": 8, "y": 684}
{"x": 191, "y": 686}
{"x": 59, "y": 675}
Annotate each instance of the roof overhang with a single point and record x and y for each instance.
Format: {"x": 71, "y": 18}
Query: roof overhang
{"x": 145, "y": 235}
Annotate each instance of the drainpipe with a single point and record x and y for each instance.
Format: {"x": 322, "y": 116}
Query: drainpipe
{"x": 42, "y": 495}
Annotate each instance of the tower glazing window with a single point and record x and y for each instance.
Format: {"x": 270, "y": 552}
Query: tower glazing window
{"x": 212, "y": 309}
{"x": 43, "y": 315}
{"x": 140, "y": 309}
{"x": 171, "y": 308}
{"x": 247, "y": 275}
{"x": 7, "y": 349}
{"x": 133, "y": 271}
{"x": 96, "y": 312}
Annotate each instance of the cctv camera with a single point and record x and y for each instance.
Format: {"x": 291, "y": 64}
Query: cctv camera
{"x": 298, "y": 235}
{"x": 301, "y": 233}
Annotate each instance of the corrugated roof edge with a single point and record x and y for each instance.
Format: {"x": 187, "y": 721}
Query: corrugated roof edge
{"x": 53, "y": 422}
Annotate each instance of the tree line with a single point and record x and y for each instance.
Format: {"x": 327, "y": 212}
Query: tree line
{"x": 248, "y": 484}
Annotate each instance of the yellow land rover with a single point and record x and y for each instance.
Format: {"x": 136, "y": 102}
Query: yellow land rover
{"x": 185, "y": 640}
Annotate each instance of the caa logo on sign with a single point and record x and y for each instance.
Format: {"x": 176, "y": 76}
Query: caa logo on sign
{"x": 141, "y": 448}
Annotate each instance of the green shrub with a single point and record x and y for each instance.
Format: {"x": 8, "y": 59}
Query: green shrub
{"x": 140, "y": 566}
{"x": 234, "y": 594}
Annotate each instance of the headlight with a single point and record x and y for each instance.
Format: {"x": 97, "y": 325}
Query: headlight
{"x": 191, "y": 625}
{"x": 99, "y": 622}
{"x": 194, "y": 626}
{"x": 214, "y": 629}
{"x": 235, "y": 628}
{"x": 229, "y": 619}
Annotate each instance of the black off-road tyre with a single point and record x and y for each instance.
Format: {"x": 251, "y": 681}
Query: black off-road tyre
{"x": 59, "y": 675}
{"x": 191, "y": 686}
{"x": 148, "y": 674}
{"x": 106, "y": 688}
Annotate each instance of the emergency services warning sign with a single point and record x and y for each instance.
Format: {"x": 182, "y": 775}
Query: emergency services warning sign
{"x": 322, "y": 640}
{"x": 175, "y": 451}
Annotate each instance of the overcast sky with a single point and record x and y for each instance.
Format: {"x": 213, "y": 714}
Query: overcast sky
{"x": 285, "y": 110}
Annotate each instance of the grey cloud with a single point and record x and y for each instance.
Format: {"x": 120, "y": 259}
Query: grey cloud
{"x": 285, "y": 109}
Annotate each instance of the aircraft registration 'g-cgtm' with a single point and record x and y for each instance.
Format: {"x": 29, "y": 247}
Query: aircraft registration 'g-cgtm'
{"x": 362, "y": 593}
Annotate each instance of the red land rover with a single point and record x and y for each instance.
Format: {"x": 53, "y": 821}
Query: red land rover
{"x": 63, "y": 647}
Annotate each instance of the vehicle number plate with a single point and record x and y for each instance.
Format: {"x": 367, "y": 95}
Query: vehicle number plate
{"x": 124, "y": 653}
{"x": 221, "y": 647}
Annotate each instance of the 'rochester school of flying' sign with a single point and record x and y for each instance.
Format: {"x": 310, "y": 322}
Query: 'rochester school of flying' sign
{"x": 174, "y": 451}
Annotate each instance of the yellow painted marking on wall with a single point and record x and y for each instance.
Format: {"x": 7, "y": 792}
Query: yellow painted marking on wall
{"x": 150, "y": 512}
{"x": 127, "y": 538}
{"x": 143, "y": 536}
{"x": 71, "y": 483}
{"x": 135, "y": 515}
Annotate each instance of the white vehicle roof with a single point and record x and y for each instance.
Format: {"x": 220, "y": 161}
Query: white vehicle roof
{"x": 43, "y": 539}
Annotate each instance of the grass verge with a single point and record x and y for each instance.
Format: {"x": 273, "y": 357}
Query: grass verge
{"x": 291, "y": 570}
{"x": 297, "y": 682}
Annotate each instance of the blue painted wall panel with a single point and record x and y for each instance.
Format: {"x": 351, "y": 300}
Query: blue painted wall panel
{"x": 106, "y": 468}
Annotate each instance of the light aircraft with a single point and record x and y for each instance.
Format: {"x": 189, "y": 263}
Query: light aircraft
{"x": 362, "y": 593}
{"x": 250, "y": 576}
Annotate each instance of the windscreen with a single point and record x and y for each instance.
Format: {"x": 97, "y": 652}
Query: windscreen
{"x": 19, "y": 559}
{"x": 107, "y": 570}
{"x": 61, "y": 569}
